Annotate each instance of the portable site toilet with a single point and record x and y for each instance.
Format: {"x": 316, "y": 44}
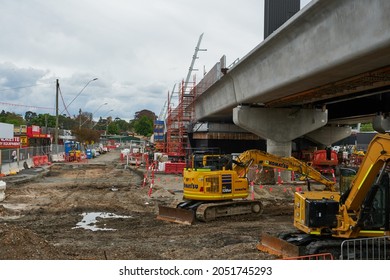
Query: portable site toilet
{"x": 88, "y": 153}
{"x": 71, "y": 146}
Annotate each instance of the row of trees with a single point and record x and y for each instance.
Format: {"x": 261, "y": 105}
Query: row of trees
{"x": 142, "y": 124}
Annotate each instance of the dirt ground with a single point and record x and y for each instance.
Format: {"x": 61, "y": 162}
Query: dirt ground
{"x": 45, "y": 218}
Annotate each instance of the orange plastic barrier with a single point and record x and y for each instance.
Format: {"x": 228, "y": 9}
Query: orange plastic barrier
{"x": 45, "y": 160}
{"x": 41, "y": 160}
{"x": 36, "y": 161}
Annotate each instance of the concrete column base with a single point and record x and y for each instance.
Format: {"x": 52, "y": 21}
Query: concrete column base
{"x": 282, "y": 149}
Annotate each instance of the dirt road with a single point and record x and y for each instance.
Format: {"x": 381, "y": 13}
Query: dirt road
{"x": 53, "y": 217}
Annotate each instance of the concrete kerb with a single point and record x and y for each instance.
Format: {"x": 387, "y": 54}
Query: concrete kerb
{"x": 27, "y": 175}
{"x": 5, "y": 169}
{"x": 2, "y": 190}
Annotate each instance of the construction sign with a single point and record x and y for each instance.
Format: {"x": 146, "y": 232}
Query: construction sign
{"x": 10, "y": 143}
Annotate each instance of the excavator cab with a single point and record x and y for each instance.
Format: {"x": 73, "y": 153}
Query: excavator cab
{"x": 210, "y": 162}
{"x": 375, "y": 214}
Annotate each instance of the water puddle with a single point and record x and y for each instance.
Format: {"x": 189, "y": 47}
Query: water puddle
{"x": 89, "y": 220}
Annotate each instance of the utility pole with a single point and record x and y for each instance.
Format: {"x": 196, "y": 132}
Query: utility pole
{"x": 56, "y": 129}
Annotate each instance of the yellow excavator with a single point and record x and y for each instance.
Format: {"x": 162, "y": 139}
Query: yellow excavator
{"x": 324, "y": 219}
{"x": 217, "y": 186}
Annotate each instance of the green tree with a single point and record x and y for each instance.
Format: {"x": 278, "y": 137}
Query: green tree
{"x": 42, "y": 120}
{"x": 29, "y": 116}
{"x": 144, "y": 126}
{"x": 11, "y": 118}
{"x": 112, "y": 129}
{"x": 65, "y": 122}
{"x": 86, "y": 136}
{"x": 122, "y": 125}
{"x": 145, "y": 113}
{"x": 366, "y": 127}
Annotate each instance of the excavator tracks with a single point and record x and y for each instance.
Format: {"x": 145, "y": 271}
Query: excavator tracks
{"x": 210, "y": 211}
{"x": 187, "y": 212}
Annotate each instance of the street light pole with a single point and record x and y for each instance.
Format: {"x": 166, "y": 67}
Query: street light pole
{"x": 93, "y": 114}
{"x": 104, "y": 114}
{"x": 56, "y": 129}
{"x": 79, "y": 94}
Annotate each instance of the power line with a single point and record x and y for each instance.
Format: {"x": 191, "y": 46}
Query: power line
{"x": 63, "y": 101}
{"x": 22, "y": 105}
{"x": 27, "y": 106}
{"x": 5, "y": 89}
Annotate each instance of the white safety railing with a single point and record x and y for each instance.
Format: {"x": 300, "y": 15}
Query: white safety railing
{"x": 375, "y": 248}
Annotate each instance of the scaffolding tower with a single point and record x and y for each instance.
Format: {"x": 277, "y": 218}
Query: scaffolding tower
{"x": 178, "y": 120}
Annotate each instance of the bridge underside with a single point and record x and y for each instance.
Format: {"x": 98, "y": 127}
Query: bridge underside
{"x": 333, "y": 57}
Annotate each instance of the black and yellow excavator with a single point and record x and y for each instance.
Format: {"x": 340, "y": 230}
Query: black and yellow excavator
{"x": 217, "y": 186}
{"x": 324, "y": 219}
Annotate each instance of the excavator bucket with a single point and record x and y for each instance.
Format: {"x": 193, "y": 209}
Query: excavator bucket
{"x": 276, "y": 246}
{"x": 175, "y": 215}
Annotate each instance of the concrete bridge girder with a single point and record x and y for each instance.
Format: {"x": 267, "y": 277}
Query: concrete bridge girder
{"x": 329, "y": 134}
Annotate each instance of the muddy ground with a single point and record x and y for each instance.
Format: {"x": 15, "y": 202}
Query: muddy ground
{"x": 43, "y": 218}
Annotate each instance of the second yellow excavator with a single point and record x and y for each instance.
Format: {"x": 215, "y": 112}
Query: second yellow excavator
{"x": 344, "y": 222}
{"x": 217, "y": 186}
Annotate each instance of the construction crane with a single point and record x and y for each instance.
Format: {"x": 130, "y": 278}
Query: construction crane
{"x": 164, "y": 110}
{"x": 194, "y": 57}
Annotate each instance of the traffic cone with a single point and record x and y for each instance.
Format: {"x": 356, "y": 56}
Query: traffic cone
{"x": 333, "y": 176}
{"x": 252, "y": 191}
{"x": 279, "y": 177}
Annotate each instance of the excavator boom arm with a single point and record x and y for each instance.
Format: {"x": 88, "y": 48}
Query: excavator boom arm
{"x": 250, "y": 157}
{"x": 377, "y": 155}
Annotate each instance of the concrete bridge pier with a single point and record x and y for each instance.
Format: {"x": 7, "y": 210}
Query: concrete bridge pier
{"x": 279, "y": 126}
{"x": 381, "y": 123}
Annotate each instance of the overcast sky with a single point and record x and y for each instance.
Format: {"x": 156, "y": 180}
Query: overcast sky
{"x": 138, "y": 50}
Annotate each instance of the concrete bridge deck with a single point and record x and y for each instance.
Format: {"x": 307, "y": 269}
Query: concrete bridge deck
{"x": 330, "y": 49}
